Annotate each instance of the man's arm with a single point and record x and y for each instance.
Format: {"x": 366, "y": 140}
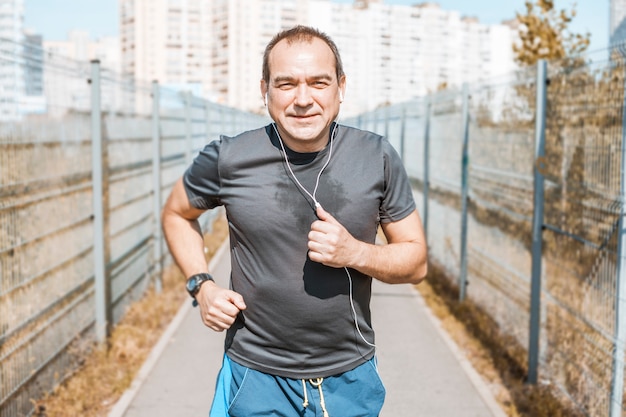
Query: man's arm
{"x": 182, "y": 231}
{"x": 219, "y": 307}
{"x": 402, "y": 260}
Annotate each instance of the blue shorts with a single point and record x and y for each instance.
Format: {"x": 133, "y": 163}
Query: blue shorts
{"x": 244, "y": 392}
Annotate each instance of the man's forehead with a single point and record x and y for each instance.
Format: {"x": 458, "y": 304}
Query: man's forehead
{"x": 287, "y": 52}
{"x": 300, "y": 42}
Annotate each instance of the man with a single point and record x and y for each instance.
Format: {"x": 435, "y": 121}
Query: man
{"x": 304, "y": 197}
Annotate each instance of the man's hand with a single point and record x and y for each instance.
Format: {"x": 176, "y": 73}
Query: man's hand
{"x": 219, "y": 307}
{"x": 330, "y": 243}
{"x": 403, "y": 259}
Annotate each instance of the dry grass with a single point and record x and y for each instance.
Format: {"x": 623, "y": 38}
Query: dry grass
{"x": 497, "y": 357}
{"x": 107, "y": 371}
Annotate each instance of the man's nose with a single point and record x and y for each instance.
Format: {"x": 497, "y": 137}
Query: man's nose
{"x": 303, "y": 95}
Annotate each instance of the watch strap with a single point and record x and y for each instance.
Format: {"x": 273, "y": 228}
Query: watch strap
{"x": 198, "y": 279}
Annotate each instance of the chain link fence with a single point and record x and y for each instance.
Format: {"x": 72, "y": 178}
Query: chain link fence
{"x": 521, "y": 184}
{"x": 87, "y": 158}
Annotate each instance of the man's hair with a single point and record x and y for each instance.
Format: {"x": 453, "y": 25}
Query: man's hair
{"x": 301, "y": 34}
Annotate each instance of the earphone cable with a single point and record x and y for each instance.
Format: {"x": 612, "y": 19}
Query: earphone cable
{"x": 356, "y": 322}
{"x": 315, "y": 202}
{"x": 319, "y": 175}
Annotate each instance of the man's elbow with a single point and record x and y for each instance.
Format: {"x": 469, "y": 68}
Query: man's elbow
{"x": 166, "y": 218}
{"x": 420, "y": 265}
{"x": 419, "y": 273}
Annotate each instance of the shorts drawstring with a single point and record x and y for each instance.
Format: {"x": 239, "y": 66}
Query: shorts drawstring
{"x": 318, "y": 384}
{"x": 305, "y": 404}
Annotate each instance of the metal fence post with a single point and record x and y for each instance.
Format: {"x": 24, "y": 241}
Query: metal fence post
{"x": 207, "y": 120}
{"x": 402, "y": 135}
{"x": 538, "y": 203}
{"x": 223, "y": 122}
{"x": 464, "y": 192}
{"x": 188, "y": 141}
{"x": 156, "y": 186}
{"x": 387, "y": 112}
{"x": 233, "y": 119}
{"x": 102, "y": 288}
{"x": 426, "y": 184}
{"x": 617, "y": 379}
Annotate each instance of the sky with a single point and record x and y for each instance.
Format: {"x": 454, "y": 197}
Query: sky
{"x": 55, "y": 18}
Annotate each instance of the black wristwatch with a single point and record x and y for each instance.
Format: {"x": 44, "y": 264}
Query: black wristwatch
{"x": 195, "y": 281}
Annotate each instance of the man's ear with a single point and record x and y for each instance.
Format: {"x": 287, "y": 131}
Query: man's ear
{"x": 342, "y": 87}
{"x": 264, "y": 91}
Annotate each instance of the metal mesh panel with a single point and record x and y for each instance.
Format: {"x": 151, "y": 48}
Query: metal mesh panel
{"x": 582, "y": 208}
{"x": 414, "y": 130}
{"x": 47, "y": 216}
{"x": 45, "y": 225}
{"x": 444, "y": 158}
{"x": 501, "y": 155}
{"x": 583, "y": 168}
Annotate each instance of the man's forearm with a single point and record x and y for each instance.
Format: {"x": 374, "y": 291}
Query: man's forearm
{"x": 393, "y": 263}
{"x": 186, "y": 243}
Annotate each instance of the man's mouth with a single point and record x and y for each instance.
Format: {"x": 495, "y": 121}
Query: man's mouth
{"x": 304, "y": 116}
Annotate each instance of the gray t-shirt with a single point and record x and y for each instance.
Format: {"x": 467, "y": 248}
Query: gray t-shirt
{"x": 298, "y": 322}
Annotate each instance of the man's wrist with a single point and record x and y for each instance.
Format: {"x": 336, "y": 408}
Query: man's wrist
{"x": 360, "y": 256}
{"x": 195, "y": 281}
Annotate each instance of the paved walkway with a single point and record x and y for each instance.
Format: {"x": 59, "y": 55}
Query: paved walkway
{"x": 424, "y": 372}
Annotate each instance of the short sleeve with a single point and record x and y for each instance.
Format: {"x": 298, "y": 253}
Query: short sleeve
{"x": 202, "y": 179}
{"x": 398, "y": 201}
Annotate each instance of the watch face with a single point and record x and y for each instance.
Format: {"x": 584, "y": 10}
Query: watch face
{"x": 192, "y": 284}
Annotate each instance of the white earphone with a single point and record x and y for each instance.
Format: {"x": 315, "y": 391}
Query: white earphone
{"x": 340, "y": 96}
{"x": 312, "y": 196}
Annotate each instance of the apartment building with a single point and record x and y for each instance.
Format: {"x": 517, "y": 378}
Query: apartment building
{"x": 32, "y": 100}
{"x": 33, "y": 72}
{"x": 12, "y": 69}
{"x": 168, "y": 41}
{"x": 617, "y": 22}
{"x": 391, "y": 53}
{"x": 80, "y": 46}
{"x": 67, "y": 64}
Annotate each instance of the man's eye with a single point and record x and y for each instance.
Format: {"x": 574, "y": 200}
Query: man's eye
{"x": 285, "y": 86}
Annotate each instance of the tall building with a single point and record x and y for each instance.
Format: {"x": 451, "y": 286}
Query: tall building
{"x": 80, "y": 47}
{"x": 166, "y": 40}
{"x": 240, "y": 30}
{"x": 391, "y": 53}
{"x": 33, "y": 71}
{"x": 32, "y": 98}
{"x": 11, "y": 58}
{"x": 394, "y": 53}
{"x": 617, "y": 22}
{"x": 74, "y": 54}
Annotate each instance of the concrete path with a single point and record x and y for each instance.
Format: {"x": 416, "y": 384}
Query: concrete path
{"x": 423, "y": 370}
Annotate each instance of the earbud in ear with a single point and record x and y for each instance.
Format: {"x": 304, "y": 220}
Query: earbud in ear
{"x": 265, "y": 99}
{"x": 340, "y": 96}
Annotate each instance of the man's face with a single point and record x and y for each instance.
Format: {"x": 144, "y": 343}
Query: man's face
{"x": 303, "y": 93}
